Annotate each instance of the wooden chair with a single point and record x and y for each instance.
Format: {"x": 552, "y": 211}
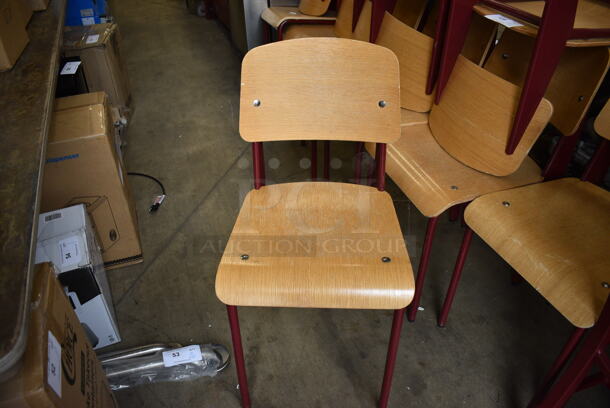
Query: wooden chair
{"x": 555, "y": 23}
{"x": 573, "y": 86}
{"x": 348, "y": 99}
{"x": 555, "y": 235}
{"x": 308, "y": 12}
{"x": 459, "y": 155}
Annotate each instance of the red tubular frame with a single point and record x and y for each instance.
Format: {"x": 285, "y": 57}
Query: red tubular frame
{"x": 259, "y": 164}
{"x": 238, "y": 354}
{"x": 455, "y": 278}
{"x": 596, "y": 170}
{"x": 314, "y": 160}
{"x": 386, "y": 386}
{"x": 326, "y": 160}
{"x": 560, "y": 159}
{"x": 380, "y": 157}
{"x": 422, "y": 269}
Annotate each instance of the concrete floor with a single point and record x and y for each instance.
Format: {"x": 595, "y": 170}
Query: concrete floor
{"x": 185, "y": 79}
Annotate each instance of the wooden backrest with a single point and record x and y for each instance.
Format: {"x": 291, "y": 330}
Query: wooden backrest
{"x": 414, "y": 51}
{"x": 320, "y": 89}
{"x": 473, "y": 121}
{"x": 573, "y": 85}
{"x": 345, "y": 15}
{"x": 410, "y": 12}
{"x": 314, "y": 7}
{"x": 362, "y": 31}
{"x": 602, "y": 122}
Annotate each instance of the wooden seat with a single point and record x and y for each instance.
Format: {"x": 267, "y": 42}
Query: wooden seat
{"x": 434, "y": 181}
{"x": 590, "y": 14}
{"x": 411, "y": 118}
{"x": 602, "y": 122}
{"x": 314, "y": 7}
{"x": 275, "y": 16}
{"x": 309, "y": 30}
{"x": 410, "y": 12}
{"x": 317, "y": 245}
{"x": 555, "y": 235}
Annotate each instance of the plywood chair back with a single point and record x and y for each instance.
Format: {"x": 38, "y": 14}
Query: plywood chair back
{"x": 410, "y": 12}
{"x": 343, "y": 24}
{"x": 362, "y": 31}
{"x": 320, "y": 89}
{"x": 602, "y": 122}
{"x": 573, "y": 86}
{"x": 473, "y": 121}
{"x": 414, "y": 51}
{"x": 314, "y": 7}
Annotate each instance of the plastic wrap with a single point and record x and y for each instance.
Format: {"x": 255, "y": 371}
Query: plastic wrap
{"x": 147, "y": 364}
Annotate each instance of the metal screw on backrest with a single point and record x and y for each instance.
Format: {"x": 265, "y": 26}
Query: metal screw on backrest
{"x": 606, "y": 285}
{"x": 505, "y": 56}
{"x": 454, "y": 187}
{"x": 386, "y": 259}
{"x": 581, "y": 98}
{"x": 256, "y": 103}
{"x": 382, "y": 104}
{"x": 505, "y": 203}
{"x": 245, "y": 257}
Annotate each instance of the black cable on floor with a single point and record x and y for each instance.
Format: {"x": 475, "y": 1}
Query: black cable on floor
{"x": 158, "y": 199}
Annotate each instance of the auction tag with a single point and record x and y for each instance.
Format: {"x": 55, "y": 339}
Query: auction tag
{"x": 54, "y": 364}
{"x": 70, "y": 68}
{"x": 70, "y": 251}
{"x": 505, "y": 21}
{"x": 92, "y": 39}
{"x": 188, "y": 354}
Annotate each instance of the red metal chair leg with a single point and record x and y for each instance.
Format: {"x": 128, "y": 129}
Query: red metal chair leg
{"x": 314, "y": 160}
{"x": 558, "y": 365}
{"x": 596, "y": 170}
{"x": 555, "y": 29}
{"x": 592, "y": 351}
{"x": 455, "y": 278}
{"x": 456, "y": 27}
{"x": 454, "y": 213}
{"x": 358, "y": 164}
{"x": 238, "y": 356}
{"x": 391, "y": 357}
{"x": 557, "y": 165}
{"x": 437, "y": 47}
{"x": 422, "y": 269}
{"x": 327, "y": 160}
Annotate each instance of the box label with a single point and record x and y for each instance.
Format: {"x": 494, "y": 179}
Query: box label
{"x": 92, "y": 39}
{"x": 88, "y": 12}
{"x": 505, "y": 21}
{"x": 70, "y": 68}
{"x": 54, "y": 364}
{"x": 88, "y": 21}
{"x": 70, "y": 251}
{"x": 182, "y": 355}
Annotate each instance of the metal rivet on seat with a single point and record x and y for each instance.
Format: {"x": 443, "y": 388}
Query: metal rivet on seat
{"x": 256, "y": 103}
{"x": 581, "y": 98}
{"x": 505, "y": 56}
{"x": 606, "y": 285}
{"x": 382, "y": 104}
{"x": 386, "y": 259}
{"x": 454, "y": 187}
{"x": 244, "y": 257}
{"x": 505, "y": 203}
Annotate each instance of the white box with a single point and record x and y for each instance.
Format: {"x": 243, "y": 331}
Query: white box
{"x": 67, "y": 238}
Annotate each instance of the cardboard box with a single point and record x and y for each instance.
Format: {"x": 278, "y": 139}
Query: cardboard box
{"x": 13, "y": 36}
{"x": 83, "y": 167}
{"x": 38, "y": 5}
{"x": 59, "y": 368}
{"x": 98, "y": 47}
{"x": 67, "y": 238}
{"x": 25, "y": 10}
{"x": 85, "y": 12}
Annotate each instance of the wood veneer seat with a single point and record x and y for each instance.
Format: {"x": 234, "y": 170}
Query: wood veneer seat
{"x": 602, "y": 122}
{"x": 318, "y": 245}
{"x": 555, "y": 235}
{"x": 275, "y": 16}
{"x": 314, "y": 7}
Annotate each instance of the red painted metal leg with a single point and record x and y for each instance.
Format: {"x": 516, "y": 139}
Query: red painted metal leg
{"x": 358, "y": 5}
{"x": 314, "y": 160}
{"x": 456, "y": 30}
{"x": 560, "y": 159}
{"x": 380, "y": 156}
{"x": 455, "y": 278}
{"x": 358, "y": 164}
{"x": 598, "y": 166}
{"x": 326, "y": 160}
{"x": 555, "y": 29}
{"x": 437, "y": 48}
{"x": 259, "y": 164}
{"x": 558, "y": 365}
{"x": 592, "y": 351}
{"x": 422, "y": 269}
{"x": 238, "y": 356}
{"x": 454, "y": 213}
{"x": 377, "y": 13}
{"x": 391, "y": 357}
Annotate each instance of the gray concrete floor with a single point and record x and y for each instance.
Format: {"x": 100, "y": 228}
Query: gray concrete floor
{"x": 185, "y": 78}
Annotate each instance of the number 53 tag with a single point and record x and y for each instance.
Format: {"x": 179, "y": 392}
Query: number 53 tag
{"x": 182, "y": 355}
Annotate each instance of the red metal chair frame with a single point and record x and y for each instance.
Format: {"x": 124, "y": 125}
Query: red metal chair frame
{"x": 556, "y": 27}
{"x": 398, "y": 318}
